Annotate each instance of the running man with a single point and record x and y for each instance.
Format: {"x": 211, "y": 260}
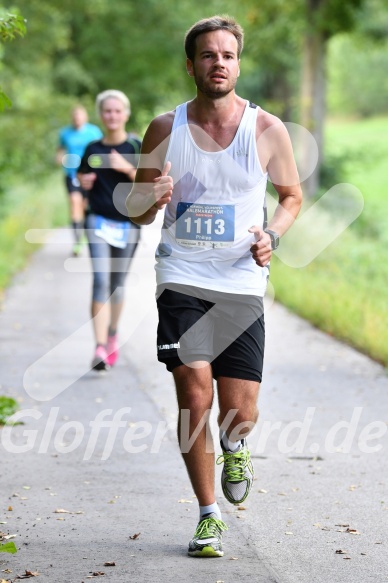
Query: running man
{"x": 206, "y": 164}
{"x": 73, "y": 140}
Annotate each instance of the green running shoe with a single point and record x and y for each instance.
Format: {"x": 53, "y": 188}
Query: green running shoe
{"x": 207, "y": 540}
{"x": 78, "y": 246}
{"x": 237, "y": 474}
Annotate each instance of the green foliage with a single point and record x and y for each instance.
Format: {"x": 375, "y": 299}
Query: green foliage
{"x": 373, "y": 21}
{"x": 358, "y": 76}
{"x": 71, "y": 53}
{"x": 86, "y": 47}
{"x": 71, "y": 78}
{"x": 272, "y": 55}
{"x": 332, "y": 16}
{"x": 11, "y": 26}
{"x": 8, "y": 407}
{"x": 76, "y": 49}
{"x": 4, "y": 101}
{"x": 9, "y": 547}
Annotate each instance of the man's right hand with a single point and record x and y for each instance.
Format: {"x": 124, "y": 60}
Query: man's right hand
{"x": 87, "y": 180}
{"x": 163, "y": 188}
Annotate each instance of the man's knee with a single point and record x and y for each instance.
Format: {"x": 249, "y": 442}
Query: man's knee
{"x": 238, "y": 422}
{"x": 196, "y": 399}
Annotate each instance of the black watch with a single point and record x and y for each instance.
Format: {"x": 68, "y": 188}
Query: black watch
{"x": 274, "y": 239}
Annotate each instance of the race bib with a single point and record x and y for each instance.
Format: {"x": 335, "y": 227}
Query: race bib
{"x": 113, "y": 232}
{"x": 205, "y": 225}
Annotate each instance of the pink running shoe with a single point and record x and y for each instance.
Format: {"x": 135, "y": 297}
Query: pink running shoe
{"x": 112, "y": 350}
{"x": 100, "y": 360}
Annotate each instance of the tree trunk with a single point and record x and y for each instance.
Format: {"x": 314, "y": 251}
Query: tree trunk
{"x": 313, "y": 100}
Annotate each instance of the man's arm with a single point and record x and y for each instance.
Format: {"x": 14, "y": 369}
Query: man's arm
{"x": 59, "y": 155}
{"x": 153, "y": 187}
{"x": 274, "y": 146}
{"x": 61, "y": 147}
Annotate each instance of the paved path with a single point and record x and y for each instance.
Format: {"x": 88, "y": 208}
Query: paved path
{"x": 102, "y": 448}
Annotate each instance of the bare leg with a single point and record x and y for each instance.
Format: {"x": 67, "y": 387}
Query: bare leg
{"x": 77, "y": 206}
{"x": 115, "y": 312}
{"x": 194, "y": 387}
{"x": 101, "y": 316}
{"x": 238, "y": 415}
{"x": 238, "y": 396}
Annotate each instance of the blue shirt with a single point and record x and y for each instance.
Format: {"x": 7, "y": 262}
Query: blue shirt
{"x": 74, "y": 141}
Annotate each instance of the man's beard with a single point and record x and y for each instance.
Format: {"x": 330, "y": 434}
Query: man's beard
{"x": 213, "y": 93}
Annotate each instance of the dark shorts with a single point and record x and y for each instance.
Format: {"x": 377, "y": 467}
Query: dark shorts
{"x": 73, "y": 185}
{"x": 226, "y": 330}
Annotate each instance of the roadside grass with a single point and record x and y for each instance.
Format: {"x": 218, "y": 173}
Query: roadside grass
{"x": 24, "y": 207}
{"x": 344, "y": 290}
{"x": 365, "y": 146}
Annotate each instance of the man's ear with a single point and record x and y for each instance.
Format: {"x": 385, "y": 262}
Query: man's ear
{"x": 189, "y": 68}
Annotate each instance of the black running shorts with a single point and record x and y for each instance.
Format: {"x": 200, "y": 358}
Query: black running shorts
{"x": 73, "y": 185}
{"x": 226, "y": 330}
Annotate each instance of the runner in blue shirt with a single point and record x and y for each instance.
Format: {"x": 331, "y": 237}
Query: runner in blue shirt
{"x": 73, "y": 140}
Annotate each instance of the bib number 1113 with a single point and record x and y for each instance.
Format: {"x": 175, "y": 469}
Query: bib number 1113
{"x": 206, "y": 225}
{"x": 217, "y": 227}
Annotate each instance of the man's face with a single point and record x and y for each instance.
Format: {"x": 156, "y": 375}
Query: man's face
{"x": 216, "y": 66}
{"x": 79, "y": 117}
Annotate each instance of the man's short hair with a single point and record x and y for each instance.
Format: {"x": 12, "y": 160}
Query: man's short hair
{"x": 224, "y": 22}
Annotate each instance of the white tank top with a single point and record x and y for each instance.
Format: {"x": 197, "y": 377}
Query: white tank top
{"x": 217, "y": 197}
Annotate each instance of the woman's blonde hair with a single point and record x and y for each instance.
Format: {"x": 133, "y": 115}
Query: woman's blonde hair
{"x": 102, "y": 97}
